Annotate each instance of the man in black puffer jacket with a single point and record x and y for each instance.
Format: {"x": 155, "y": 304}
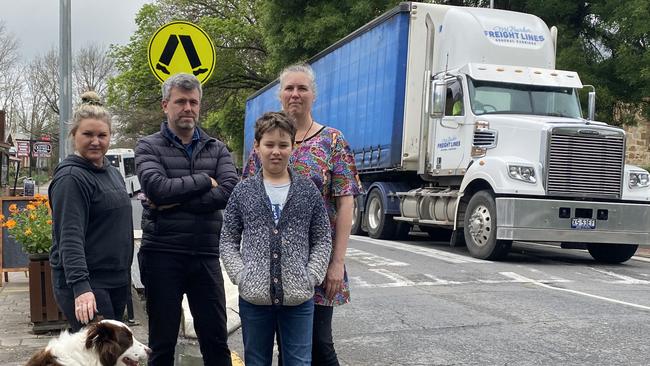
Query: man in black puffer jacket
{"x": 187, "y": 177}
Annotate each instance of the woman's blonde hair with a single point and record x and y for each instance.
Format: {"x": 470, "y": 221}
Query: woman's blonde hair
{"x": 91, "y": 107}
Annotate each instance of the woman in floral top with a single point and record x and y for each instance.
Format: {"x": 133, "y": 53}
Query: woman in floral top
{"x": 322, "y": 154}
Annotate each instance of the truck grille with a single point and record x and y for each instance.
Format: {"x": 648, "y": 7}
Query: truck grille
{"x": 585, "y": 162}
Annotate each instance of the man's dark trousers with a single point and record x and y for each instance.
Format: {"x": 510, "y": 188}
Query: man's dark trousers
{"x": 166, "y": 276}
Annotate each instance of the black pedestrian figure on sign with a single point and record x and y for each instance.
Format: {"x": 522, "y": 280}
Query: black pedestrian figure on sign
{"x": 190, "y": 51}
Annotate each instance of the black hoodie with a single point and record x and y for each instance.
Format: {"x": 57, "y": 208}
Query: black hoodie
{"x": 92, "y": 229}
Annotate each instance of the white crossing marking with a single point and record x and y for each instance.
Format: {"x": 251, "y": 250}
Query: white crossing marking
{"x": 371, "y": 260}
{"x": 552, "y": 278}
{"x": 397, "y": 280}
{"x": 622, "y": 279}
{"x": 429, "y": 252}
{"x": 522, "y": 279}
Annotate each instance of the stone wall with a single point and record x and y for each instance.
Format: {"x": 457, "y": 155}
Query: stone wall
{"x": 638, "y": 142}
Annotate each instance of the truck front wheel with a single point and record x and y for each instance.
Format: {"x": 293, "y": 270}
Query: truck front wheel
{"x": 480, "y": 227}
{"x": 611, "y": 253}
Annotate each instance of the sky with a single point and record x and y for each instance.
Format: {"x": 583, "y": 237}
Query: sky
{"x": 35, "y": 23}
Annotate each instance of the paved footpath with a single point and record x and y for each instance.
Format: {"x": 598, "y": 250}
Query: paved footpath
{"x": 18, "y": 342}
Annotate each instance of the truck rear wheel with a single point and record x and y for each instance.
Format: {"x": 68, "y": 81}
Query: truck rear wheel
{"x": 357, "y": 217}
{"x": 480, "y": 228}
{"x": 611, "y": 253}
{"x": 380, "y": 225}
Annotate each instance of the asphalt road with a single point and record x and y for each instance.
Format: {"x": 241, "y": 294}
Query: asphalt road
{"x": 419, "y": 302}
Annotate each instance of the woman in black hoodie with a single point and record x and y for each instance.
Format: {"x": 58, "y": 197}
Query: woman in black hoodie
{"x": 92, "y": 229}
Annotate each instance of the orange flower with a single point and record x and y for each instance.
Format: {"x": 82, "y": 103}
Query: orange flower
{"x": 49, "y": 222}
{"x": 31, "y": 207}
{"x": 2, "y": 217}
{"x": 10, "y": 224}
{"x": 32, "y": 217}
{"x": 13, "y": 208}
{"x": 28, "y": 232}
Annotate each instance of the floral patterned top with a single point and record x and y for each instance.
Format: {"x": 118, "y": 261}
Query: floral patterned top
{"x": 327, "y": 160}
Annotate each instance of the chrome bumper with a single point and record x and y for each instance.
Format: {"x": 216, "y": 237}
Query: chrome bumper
{"x": 529, "y": 219}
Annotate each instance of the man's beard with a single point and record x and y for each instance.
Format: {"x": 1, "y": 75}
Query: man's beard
{"x": 183, "y": 124}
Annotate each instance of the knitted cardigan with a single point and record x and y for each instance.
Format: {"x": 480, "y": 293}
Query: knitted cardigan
{"x": 276, "y": 264}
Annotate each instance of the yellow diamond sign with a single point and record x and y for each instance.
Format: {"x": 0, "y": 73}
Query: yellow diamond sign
{"x": 181, "y": 47}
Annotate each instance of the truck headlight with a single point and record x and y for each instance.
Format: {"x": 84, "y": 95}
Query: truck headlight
{"x": 638, "y": 179}
{"x": 522, "y": 173}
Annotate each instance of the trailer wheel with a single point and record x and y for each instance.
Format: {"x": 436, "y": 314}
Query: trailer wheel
{"x": 356, "y": 218}
{"x": 380, "y": 225}
{"x": 611, "y": 253}
{"x": 480, "y": 228}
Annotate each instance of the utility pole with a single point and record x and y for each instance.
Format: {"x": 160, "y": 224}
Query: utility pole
{"x": 65, "y": 76}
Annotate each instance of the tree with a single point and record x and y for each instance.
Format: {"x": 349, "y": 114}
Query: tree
{"x": 9, "y": 72}
{"x": 134, "y": 94}
{"x": 92, "y": 69}
{"x": 35, "y": 101}
{"x": 606, "y": 41}
{"x": 8, "y": 49}
{"x": 44, "y": 79}
{"x": 299, "y": 29}
{"x": 33, "y": 110}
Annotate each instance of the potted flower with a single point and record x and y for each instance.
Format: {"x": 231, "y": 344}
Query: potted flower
{"x": 31, "y": 227}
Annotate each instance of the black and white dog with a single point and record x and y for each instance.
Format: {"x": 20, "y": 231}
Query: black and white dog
{"x": 105, "y": 343}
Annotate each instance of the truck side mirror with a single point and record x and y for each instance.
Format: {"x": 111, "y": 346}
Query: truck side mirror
{"x": 591, "y": 105}
{"x": 437, "y": 102}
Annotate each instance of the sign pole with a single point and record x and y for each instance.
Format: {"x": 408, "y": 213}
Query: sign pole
{"x": 65, "y": 79}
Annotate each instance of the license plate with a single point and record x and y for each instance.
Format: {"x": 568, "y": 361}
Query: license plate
{"x": 583, "y": 224}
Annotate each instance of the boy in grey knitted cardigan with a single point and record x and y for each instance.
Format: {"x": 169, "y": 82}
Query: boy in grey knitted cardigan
{"x": 275, "y": 245}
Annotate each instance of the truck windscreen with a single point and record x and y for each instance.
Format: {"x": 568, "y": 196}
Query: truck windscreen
{"x": 489, "y": 97}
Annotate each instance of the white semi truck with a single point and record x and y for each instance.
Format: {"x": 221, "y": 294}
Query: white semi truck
{"x": 459, "y": 120}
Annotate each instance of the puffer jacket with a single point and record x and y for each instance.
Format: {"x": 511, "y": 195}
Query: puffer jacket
{"x": 168, "y": 176}
{"x": 276, "y": 264}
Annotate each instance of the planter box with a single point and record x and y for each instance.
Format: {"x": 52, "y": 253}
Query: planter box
{"x": 45, "y": 314}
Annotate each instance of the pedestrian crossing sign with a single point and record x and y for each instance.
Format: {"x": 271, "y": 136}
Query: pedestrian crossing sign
{"x": 181, "y": 47}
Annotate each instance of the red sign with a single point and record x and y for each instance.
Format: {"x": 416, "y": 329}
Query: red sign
{"x": 22, "y": 148}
